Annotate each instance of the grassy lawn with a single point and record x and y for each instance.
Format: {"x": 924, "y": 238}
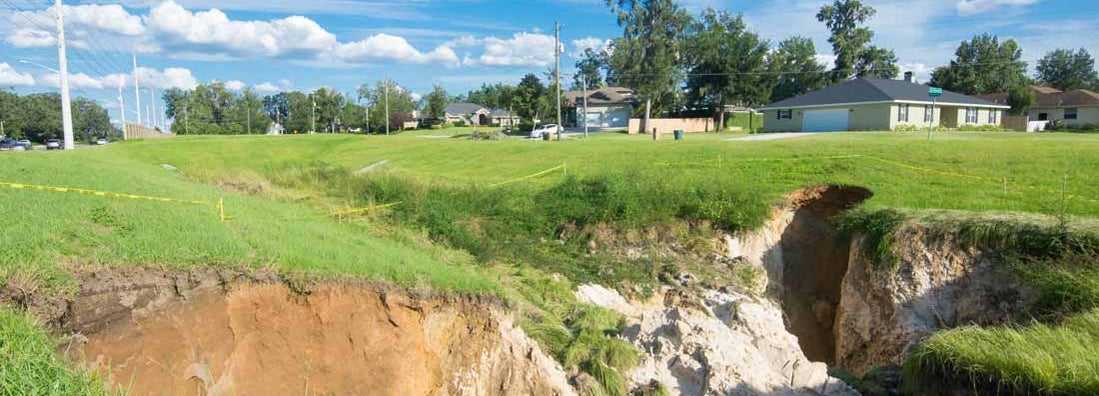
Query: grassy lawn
{"x": 458, "y": 228}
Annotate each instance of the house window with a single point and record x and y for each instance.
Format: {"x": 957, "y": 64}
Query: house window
{"x": 970, "y": 115}
{"x": 902, "y": 115}
{"x": 1070, "y": 113}
{"x": 928, "y": 114}
{"x": 785, "y": 114}
{"x": 992, "y": 116}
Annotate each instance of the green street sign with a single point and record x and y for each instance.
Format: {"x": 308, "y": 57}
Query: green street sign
{"x": 935, "y": 92}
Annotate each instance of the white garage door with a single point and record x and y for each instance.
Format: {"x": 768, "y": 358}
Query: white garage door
{"x": 825, "y": 120}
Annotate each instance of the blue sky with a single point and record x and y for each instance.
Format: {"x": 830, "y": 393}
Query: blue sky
{"x": 272, "y": 45}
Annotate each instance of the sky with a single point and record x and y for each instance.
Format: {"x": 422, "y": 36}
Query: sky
{"x": 279, "y": 45}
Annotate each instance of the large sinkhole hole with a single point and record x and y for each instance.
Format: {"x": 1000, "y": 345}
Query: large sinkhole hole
{"x": 814, "y": 264}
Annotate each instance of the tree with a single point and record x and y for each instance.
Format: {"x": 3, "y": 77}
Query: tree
{"x": 36, "y": 117}
{"x": 436, "y": 102}
{"x": 590, "y": 70}
{"x": 877, "y": 62}
{"x": 794, "y": 69}
{"x": 727, "y": 63}
{"x": 983, "y": 65}
{"x": 1067, "y": 70}
{"x": 492, "y": 96}
{"x": 846, "y": 20}
{"x": 401, "y": 106}
{"x": 1020, "y": 98}
{"x": 527, "y": 97}
{"x": 646, "y": 57}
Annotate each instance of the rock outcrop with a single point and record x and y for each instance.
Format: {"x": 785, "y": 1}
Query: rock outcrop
{"x": 727, "y": 343}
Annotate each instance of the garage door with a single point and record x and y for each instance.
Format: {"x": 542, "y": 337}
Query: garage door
{"x": 825, "y": 120}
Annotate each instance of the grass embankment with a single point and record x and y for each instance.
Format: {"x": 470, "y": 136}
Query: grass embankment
{"x": 454, "y": 231}
{"x": 1056, "y": 352}
{"x": 29, "y": 365}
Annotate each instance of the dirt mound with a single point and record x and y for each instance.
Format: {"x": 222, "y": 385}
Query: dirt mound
{"x": 163, "y": 332}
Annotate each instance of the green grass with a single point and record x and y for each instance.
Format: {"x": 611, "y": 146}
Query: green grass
{"x": 454, "y": 231}
{"x": 30, "y": 366}
{"x": 1039, "y": 358}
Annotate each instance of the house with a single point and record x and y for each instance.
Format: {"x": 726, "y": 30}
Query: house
{"x": 869, "y": 104}
{"x": 1075, "y": 108}
{"x": 475, "y": 114}
{"x": 607, "y": 108}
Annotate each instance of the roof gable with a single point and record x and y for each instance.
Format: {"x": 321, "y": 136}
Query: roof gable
{"x": 463, "y": 108}
{"x": 871, "y": 90}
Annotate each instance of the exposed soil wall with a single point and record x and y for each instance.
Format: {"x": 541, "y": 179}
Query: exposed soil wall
{"x": 162, "y": 332}
{"x": 936, "y": 284}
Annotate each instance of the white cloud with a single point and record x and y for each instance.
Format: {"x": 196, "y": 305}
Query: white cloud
{"x": 394, "y": 48}
{"x": 80, "y": 21}
{"x": 10, "y": 76}
{"x": 267, "y": 87}
{"x": 522, "y": 49}
{"x": 213, "y": 30}
{"x": 172, "y": 77}
{"x": 923, "y": 71}
{"x": 970, "y": 7}
{"x": 828, "y": 60}
{"x": 596, "y": 44}
{"x": 235, "y": 85}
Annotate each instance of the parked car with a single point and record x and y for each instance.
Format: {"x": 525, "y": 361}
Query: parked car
{"x": 7, "y": 144}
{"x": 26, "y": 142}
{"x": 54, "y": 144}
{"x": 551, "y": 129}
{"x": 100, "y": 142}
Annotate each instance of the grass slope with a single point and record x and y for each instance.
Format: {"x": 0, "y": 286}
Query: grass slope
{"x": 455, "y": 231}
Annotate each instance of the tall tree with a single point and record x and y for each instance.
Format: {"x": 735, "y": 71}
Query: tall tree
{"x": 435, "y": 104}
{"x": 401, "y": 106}
{"x": 846, "y": 19}
{"x": 527, "y": 97}
{"x": 727, "y": 63}
{"x": 877, "y": 62}
{"x": 646, "y": 57}
{"x": 1067, "y": 70}
{"x": 794, "y": 68}
{"x": 983, "y": 65}
{"x": 590, "y": 70}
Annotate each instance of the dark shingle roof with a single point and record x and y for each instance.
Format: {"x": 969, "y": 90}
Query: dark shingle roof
{"x": 606, "y": 95}
{"x": 461, "y": 108}
{"x": 866, "y": 90}
{"x": 1050, "y": 97}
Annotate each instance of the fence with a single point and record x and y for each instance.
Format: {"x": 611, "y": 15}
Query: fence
{"x": 138, "y": 131}
{"x": 1016, "y": 123}
{"x": 669, "y": 125}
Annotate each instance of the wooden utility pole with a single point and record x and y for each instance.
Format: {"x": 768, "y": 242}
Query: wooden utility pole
{"x": 584, "y": 82}
{"x": 557, "y": 75}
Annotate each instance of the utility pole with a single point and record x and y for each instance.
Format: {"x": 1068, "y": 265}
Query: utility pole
{"x": 66, "y": 102}
{"x": 137, "y": 91}
{"x": 249, "y": 122}
{"x": 152, "y": 102}
{"x": 557, "y": 74}
{"x": 387, "y": 106}
{"x": 313, "y": 128}
{"x": 122, "y": 109}
{"x": 584, "y": 82}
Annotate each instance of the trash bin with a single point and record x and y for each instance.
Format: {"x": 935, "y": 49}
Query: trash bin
{"x": 678, "y": 134}
{"x": 546, "y": 136}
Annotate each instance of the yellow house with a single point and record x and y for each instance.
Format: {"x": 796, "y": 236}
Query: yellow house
{"x": 868, "y": 104}
{"x": 1075, "y": 108}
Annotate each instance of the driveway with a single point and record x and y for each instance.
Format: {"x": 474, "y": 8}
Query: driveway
{"x": 770, "y": 136}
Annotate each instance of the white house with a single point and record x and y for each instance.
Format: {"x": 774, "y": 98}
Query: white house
{"x": 607, "y": 108}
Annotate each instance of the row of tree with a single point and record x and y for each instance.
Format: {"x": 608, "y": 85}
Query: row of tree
{"x": 38, "y": 117}
{"x": 212, "y": 109}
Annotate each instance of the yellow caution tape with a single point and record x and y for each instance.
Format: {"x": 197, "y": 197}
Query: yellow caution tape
{"x": 542, "y": 173}
{"x": 366, "y": 209}
{"x": 721, "y": 161}
{"x": 102, "y": 193}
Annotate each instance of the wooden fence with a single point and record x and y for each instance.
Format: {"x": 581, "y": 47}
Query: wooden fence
{"x": 669, "y": 125}
{"x": 138, "y": 131}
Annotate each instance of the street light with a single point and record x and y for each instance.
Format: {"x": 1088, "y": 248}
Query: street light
{"x": 65, "y": 115}
{"x": 39, "y": 65}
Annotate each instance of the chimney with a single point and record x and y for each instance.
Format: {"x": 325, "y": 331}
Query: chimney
{"x": 910, "y": 77}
